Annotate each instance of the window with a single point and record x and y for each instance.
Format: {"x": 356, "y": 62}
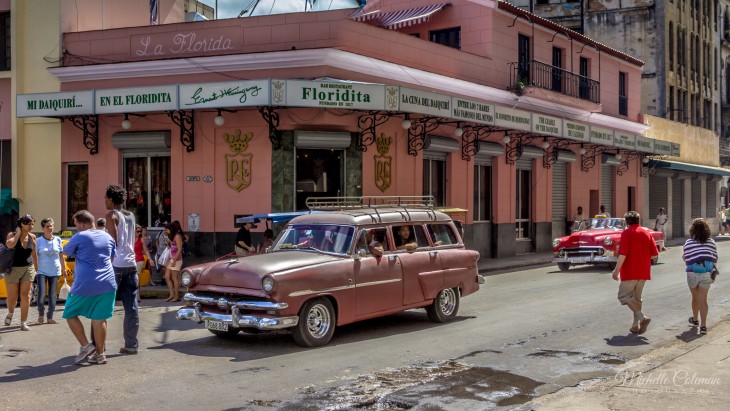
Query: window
{"x": 557, "y": 70}
{"x": 448, "y": 37}
{"x": 482, "y": 193}
{"x": 77, "y": 190}
{"x": 671, "y": 104}
{"x": 147, "y": 180}
{"x": 409, "y": 237}
{"x": 523, "y": 204}
{"x": 523, "y": 58}
{"x": 623, "y": 100}
{"x": 441, "y": 234}
{"x": 670, "y": 52}
{"x": 5, "y": 39}
{"x": 584, "y": 89}
{"x": 434, "y": 180}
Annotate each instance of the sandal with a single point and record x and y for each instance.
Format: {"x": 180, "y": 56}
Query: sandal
{"x": 693, "y": 322}
{"x": 9, "y": 319}
{"x": 644, "y": 324}
{"x": 703, "y": 330}
{"x": 634, "y": 330}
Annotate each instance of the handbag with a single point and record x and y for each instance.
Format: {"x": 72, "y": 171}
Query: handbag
{"x": 714, "y": 273}
{"x": 6, "y": 258}
{"x": 164, "y": 257}
{"x": 65, "y": 289}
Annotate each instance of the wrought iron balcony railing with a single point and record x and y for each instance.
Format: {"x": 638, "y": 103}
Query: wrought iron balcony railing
{"x": 538, "y": 74}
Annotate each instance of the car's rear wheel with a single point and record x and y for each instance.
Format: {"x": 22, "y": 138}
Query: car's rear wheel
{"x": 445, "y": 306}
{"x": 611, "y": 266}
{"x": 226, "y": 334}
{"x": 564, "y": 266}
{"x": 316, "y": 325}
{"x": 655, "y": 260}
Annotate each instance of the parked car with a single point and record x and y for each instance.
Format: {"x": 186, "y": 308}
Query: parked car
{"x": 596, "y": 242}
{"x": 323, "y": 272}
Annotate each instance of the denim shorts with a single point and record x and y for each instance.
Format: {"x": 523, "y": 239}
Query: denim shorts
{"x": 704, "y": 280}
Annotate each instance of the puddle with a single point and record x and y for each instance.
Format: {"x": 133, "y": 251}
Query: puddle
{"x": 603, "y": 358}
{"x": 445, "y": 385}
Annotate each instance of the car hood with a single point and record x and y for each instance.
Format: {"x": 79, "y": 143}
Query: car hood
{"x": 247, "y": 272}
{"x": 586, "y": 238}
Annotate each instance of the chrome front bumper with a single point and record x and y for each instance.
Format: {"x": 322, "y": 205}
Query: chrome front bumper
{"x": 587, "y": 259}
{"x": 235, "y": 319}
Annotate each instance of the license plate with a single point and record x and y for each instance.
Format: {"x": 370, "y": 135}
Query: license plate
{"x": 578, "y": 260}
{"x": 216, "y": 325}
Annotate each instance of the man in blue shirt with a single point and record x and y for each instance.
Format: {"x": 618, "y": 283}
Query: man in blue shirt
{"x": 94, "y": 288}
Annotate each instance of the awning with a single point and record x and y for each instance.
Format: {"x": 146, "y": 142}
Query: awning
{"x": 7, "y": 203}
{"x": 678, "y": 165}
{"x": 400, "y": 18}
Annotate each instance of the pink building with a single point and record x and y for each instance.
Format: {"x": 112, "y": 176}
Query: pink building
{"x": 478, "y": 103}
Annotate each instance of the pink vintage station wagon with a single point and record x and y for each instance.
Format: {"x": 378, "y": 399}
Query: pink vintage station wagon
{"x": 366, "y": 257}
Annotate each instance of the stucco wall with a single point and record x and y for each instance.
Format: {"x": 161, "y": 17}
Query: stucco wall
{"x": 85, "y": 15}
{"x": 698, "y": 145}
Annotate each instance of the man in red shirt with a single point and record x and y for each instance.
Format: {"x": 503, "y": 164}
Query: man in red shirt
{"x": 636, "y": 250}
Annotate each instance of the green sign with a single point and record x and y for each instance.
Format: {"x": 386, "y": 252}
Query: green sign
{"x": 623, "y": 140}
{"x": 601, "y": 136}
{"x": 662, "y": 147}
{"x": 546, "y": 125}
{"x": 321, "y": 94}
{"x": 511, "y": 118}
{"x": 69, "y": 103}
{"x": 135, "y": 100}
{"x": 645, "y": 144}
{"x": 472, "y": 111}
{"x": 576, "y": 131}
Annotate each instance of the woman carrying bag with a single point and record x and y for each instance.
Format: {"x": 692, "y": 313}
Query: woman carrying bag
{"x": 700, "y": 256}
{"x": 22, "y": 273}
{"x": 50, "y": 269}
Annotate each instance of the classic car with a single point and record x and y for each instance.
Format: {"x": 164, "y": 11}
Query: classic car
{"x": 325, "y": 270}
{"x": 596, "y": 242}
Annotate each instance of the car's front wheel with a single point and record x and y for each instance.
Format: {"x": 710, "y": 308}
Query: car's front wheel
{"x": 564, "y": 266}
{"x": 655, "y": 260}
{"x": 445, "y": 306}
{"x": 316, "y": 325}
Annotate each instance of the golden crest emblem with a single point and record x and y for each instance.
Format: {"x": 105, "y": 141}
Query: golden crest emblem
{"x": 383, "y": 162}
{"x": 391, "y": 97}
{"x": 238, "y": 164}
{"x": 278, "y": 91}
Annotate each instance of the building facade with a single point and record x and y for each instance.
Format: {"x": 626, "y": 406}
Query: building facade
{"x": 207, "y": 121}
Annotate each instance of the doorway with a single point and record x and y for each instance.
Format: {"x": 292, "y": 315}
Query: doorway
{"x": 147, "y": 180}
{"x": 319, "y": 173}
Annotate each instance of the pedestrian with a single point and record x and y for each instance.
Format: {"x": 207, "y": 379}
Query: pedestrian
{"x": 578, "y": 218}
{"x": 50, "y": 269}
{"x": 24, "y": 267}
{"x": 267, "y": 242}
{"x": 375, "y": 247}
{"x": 604, "y": 212}
{"x": 661, "y": 220}
{"x": 101, "y": 224}
{"x": 721, "y": 218}
{"x": 160, "y": 266}
{"x": 140, "y": 252}
{"x": 636, "y": 250}
{"x": 700, "y": 256}
{"x": 121, "y": 229}
{"x": 243, "y": 245}
{"x": 727, "y": 219}
{"x": 174, "y": 264}
{"x": 94, "y": 288}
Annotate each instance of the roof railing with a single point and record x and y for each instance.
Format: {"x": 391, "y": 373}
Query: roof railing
{"x": 370, "y": 202}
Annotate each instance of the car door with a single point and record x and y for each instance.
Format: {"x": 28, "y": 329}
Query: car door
{"x": 378, "y": 280}
{"x": 421, "y": 267}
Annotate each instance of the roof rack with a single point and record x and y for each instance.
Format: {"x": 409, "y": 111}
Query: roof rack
{"x": 370, "y": 202}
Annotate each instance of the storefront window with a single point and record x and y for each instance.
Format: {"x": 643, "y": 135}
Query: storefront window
{"x": 77, "y": 190}
{"x": 434, "y": 180}
{"x": 147, "y": 181}
{"x": 482, "y": 191}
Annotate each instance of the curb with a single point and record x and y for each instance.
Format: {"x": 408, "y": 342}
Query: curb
{"x": 510, "y": 266}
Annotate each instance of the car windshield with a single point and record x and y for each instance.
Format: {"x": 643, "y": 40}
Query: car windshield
{"x": 604, "y": 223}
{"x": 322, "y": 237}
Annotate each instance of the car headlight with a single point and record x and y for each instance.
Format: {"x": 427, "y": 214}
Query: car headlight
{"x": 556, "y": 242}
{"x": 607, "y": 241}
{"x": 187, "y": 278}
{"x": 268, "y": 284}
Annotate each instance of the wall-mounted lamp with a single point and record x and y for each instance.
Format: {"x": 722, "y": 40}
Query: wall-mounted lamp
{"x": 406, "y": 123}
{"x": 545, "y": 143}
{"x": 506, "y": 139}
{"x": 645, "y": 160}
{"x": 582, "y": 150}
{"x": 458, "y": 131}
{"x": 618, "y": 156}
{"x": 126, "y": 124}
{"x": 219, "y": 120}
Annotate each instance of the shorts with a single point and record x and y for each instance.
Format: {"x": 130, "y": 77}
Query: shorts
{"x": 20, "y": 274}
{"x": 95, "y": 307}
{"x": 175, "y": 266}
{"x": 630, "y": 290}
{"x": 704, "y": 280}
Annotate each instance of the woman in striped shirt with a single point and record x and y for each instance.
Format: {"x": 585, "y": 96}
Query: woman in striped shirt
{"x": 700, "y": 255}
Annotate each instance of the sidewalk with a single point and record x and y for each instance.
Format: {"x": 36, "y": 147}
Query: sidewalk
{"x": 491, "y": 265}
{"x": 693, "y": 373}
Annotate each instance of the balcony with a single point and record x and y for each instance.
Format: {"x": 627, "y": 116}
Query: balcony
{"x": 559, "y": 80}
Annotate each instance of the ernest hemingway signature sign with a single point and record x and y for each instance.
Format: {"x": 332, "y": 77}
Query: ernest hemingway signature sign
{"x": 228, "y": 94}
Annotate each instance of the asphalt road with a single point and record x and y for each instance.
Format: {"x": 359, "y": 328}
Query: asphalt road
{"x": 523, "y": 334}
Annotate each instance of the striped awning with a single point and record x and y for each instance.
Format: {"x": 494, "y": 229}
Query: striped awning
{"x": 400, "y": 18}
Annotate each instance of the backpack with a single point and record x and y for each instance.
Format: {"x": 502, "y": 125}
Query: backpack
{"x": 6, "y": 259}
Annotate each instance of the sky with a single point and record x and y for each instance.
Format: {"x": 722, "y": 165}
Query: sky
{"x": 232, "y": 8}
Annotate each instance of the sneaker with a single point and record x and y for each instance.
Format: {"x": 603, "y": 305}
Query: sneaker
{"x": 128, "y": 351}
{"x": 703, "y": 330}
{"x": 41, "y": 320}
{"x": 84, "y": 352}
{"x": 97, "y": 358}
{"x": 24, "y": 326}
{"x": 693, "y": 322}
{"x": 9, "y": 319}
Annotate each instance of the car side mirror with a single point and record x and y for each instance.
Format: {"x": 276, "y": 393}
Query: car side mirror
{"x": 360, "y": 253}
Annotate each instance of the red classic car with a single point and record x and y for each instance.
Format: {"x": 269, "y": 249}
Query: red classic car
{"x": 334, "y": 268}
{"x": 596, "y": 242}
